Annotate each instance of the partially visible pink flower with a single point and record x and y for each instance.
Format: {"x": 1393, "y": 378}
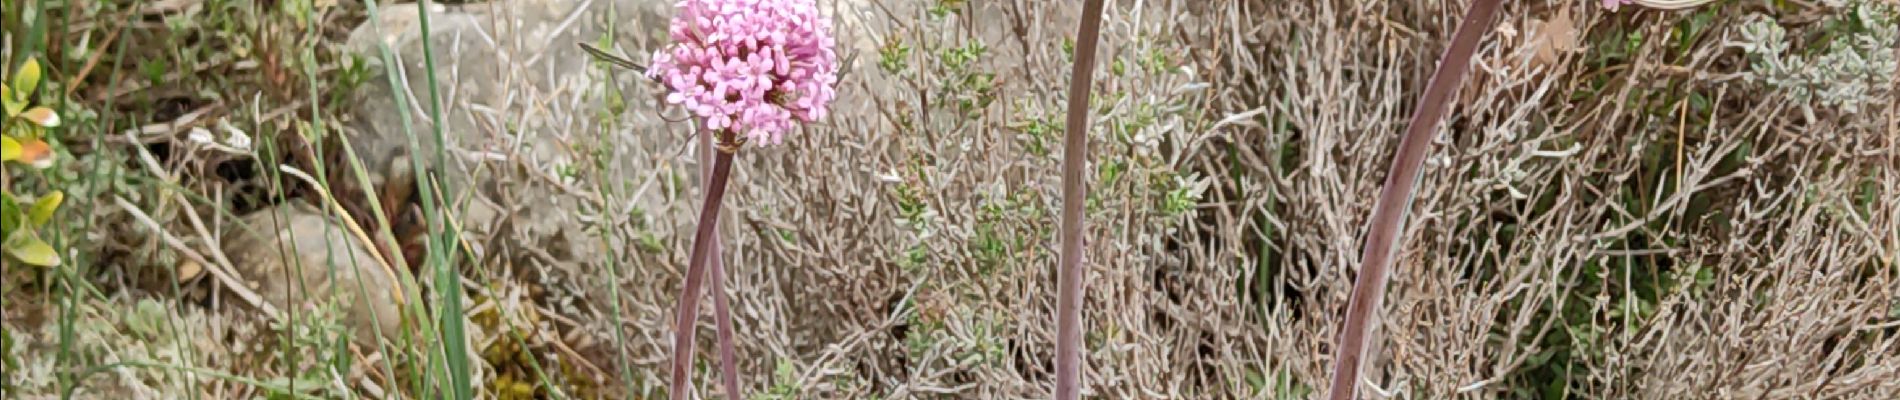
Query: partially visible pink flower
{"x": 1656, "y": 4}
{"x": 753, "y": 67}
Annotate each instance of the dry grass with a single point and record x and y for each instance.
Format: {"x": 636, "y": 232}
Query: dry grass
{"x": 1609, "y": 227}
{"x": 1634, "y": 219}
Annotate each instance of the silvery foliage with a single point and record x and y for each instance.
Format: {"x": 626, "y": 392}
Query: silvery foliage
{"x": 1853, "y": 71}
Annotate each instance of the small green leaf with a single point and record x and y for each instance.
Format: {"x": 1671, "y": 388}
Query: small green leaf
{"x": 41, "y": 116}
{"x": 9, "y": 216}
{"x": 11, "y": 99}
{"x": 31, "y": 250}
{"x": 27, "y": 78}
{"x": 9, "y": 149}
{"x": 44, "y": 208}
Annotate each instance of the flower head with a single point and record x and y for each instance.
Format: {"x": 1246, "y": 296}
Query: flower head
{"x": 751, "y": 67}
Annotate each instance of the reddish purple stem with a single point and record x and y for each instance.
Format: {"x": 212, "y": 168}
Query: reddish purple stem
{"x": 1387, "y": 226}
{"x": 703, "y": 247}
{"x": 729, "y": 368}
{"x": 1075, "y": 153}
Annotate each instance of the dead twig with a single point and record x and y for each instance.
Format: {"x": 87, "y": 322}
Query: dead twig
{"x": 221, "y": 270}
{"x": 355, "y": 229}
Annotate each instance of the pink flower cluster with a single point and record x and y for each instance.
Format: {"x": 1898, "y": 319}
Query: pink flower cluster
{"x": 753, "y": 67}
{"x": 1613, "y": 4}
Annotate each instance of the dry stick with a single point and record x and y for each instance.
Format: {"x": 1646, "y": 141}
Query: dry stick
{"x": 1075, "y": 154}
{"x": 695, "y": 273}
{"x": 722, "y": 312}
{"x": 223, "y": 272}
{"x": 350, "y": 224}
{"x": 1388, "y": 214}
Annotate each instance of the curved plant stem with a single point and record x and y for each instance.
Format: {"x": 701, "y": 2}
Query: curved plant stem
{"x": 1075, "y": 152}
{"x": 695, "y": 275}
{"x": 1388, "y": 214}
{"x": 722, "y": 312}
{"x": 728, "y": 367}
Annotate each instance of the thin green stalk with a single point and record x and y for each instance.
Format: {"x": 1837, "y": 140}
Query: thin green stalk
{"x": 68, "y": 301}
{"x": 613, "y": 290}
{"x": 1388, "y": 213}
{"x": 281, "y": 389}
{"x": 323, "y": 176}
{"x": 1075, "y": 153}
{"x": 436, "y": 258}
{"x": 93, "y": 178}
{"x": 534, "y": 363}
{"x": 293, "y": 268}
{"x": 695, "y": 274}
{"x": 448, "y": 279}
{"x": 613, "y": 257}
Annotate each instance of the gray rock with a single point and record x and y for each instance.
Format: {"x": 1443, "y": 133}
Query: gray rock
{"x": 514, "y": 86}
{"x": 489, "y": 58}
{"x": 329, "y": 264}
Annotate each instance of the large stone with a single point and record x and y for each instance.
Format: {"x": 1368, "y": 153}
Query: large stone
{"x": 516, "y": 91}
{"x": 507, "y": 74}
{"x": 296, "y": 257}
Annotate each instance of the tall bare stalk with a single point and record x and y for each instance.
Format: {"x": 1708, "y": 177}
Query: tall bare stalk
{"x": 696, "y": 271}
{"x": 1388, "y": 214}
{"x": 1075, "y": 152}
{"x": 722, "y": 313}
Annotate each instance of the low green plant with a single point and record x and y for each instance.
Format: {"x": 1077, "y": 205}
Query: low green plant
{"x": 1281, "y": 386}
{"x": 893, "y": 55}
{"x": 1847, "y": 68}
{"x": 25, "y": 142}
{"x": 8, "y": 363}
{"x": 967, "y": 86}
{"x": 1185, "y": 194}
{"x": 943, "y": 8}
{"x": 784, "y": 383}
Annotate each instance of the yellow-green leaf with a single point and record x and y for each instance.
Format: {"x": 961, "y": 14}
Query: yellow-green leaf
{"x": 27, "y": 78}
{"x": 10, "y": 216}
{"x": 9, "y": 149}
{"x": 43, "y": 208}
{"x": 41, "y": 116}
{"x": 11, "y": 100}
{"x": 32, "y": 250}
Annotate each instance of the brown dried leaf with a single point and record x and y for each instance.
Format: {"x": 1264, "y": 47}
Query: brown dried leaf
{"x": 189, "y": 270}
{"x": 1549, "y": 40}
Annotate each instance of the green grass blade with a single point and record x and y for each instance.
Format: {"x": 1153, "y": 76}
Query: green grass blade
{"x": 448, "y": 331}
{"x": 447, "y": 277}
